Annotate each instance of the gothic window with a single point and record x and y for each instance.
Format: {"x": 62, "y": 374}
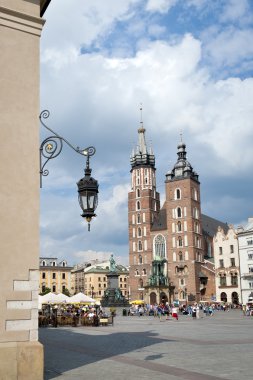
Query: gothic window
{"x": 199, "y": 256}
{"x": 179, "y": 212}
{"x": 180, "y": 256}
{"x": 138, "y": 177}
{"x": 144, "y": 272}
{"x": 139, "y": 231}
{"x": 139, "y": 245}
{"x": 140, "y": 259}
{"x": 137, "y": 272}
{"x": 138, "y": 193}
{"x": 180, "y": 242}
{"x": 160, "y": 246}
{"x": 179, "y": 226}
{"x": 177, "y": 194}
{"x": 138, "y": 218}
{"x": 138, "y": 205}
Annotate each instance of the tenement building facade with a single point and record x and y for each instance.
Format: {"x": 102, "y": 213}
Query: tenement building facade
{"x": 245, "y": 242}
{"x": 170, "y": 247}
{"x": 55, "y": 275}
{"x": 227, "y": 266}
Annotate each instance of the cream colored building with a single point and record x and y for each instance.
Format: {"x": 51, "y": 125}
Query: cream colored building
{"x": 55, "y": 275}
{"x": 245, "y": 240}
{"x": 92, "y": 280}
{"x": 21, "y": 355}
{"x": 227, "y": 266}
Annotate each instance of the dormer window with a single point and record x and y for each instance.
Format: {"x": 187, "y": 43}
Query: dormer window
{"x": 43, "y": 263}
{"x": 54, "y": 264}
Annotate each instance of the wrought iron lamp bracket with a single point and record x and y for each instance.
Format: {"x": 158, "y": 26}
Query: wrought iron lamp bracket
{"x": 52, "y": 146}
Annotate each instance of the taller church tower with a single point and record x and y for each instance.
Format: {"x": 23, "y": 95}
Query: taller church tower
{"x": 143, "y": 207}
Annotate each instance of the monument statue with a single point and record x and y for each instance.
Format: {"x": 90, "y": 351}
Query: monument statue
{"x": 112, "y": 264}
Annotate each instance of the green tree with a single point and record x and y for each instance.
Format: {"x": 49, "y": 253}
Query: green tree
{"x": 66, "y": 292}
{"x": 46, "y": 290}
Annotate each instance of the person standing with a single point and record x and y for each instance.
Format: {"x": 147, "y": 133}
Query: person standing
{"x": 194, "y": 312}
{"x": 174, "y": 312}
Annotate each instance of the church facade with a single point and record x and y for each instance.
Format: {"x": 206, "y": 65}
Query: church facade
{"x": 170, "y": 247}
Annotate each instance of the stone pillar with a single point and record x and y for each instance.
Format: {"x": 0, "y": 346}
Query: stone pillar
{"x": 21, "y": 355}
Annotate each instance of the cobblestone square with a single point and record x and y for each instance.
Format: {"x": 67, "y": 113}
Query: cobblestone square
{"x": 217, "y": 347}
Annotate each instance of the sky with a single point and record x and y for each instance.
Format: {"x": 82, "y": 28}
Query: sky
{"x": 190, "y": 64}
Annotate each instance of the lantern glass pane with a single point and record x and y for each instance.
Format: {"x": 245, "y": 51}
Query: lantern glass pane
{"x": 84, "y": 202}
{"x": 91, "y": 201}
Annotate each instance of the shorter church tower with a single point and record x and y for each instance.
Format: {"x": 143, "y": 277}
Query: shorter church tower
{"x": 143, "y": 206}
{"x": 185, "y": 240}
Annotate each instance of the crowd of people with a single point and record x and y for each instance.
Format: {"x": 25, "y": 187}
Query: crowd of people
{"x": 195, "y": 310}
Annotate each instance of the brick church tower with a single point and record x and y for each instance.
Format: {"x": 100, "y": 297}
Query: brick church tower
{"x": 143, "y": 208}
{"x": 168, "y": 251}
{"x": 185, "y": 240}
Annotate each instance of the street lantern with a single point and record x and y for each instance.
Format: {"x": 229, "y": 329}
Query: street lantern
{"x": 50, "y": 148}
{"x": 88, "y": 194}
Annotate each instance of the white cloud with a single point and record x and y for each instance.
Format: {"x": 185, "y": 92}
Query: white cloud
{"x": 229, "y": 47}
{"x": 161, "y": 6}
{"x": 95, "y": 99}
{"x": 236, "y": 11}
{"x": 82, "y": 22}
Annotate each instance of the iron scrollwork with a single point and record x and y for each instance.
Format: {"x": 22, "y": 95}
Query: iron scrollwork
{"x": 52, "y": 146}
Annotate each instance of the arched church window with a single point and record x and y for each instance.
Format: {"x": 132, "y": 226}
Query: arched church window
{"x": 179, "y": 212}
{"x": 138, "y": 193}
{"x": 137, "y": 272}
{"x": 139, "y": 245}
{"x": 144, "y": 272}
{"x": 138, "y": 205}
{"x": 160, "y": 246}
{"x": 177, "y": 194}
{"x": 180, "y": 241}
{"x": 179, "y": 226}
{"x": 138, "y": 218}
{"x": 140, "y": 259}
{"x": 139, "y": 231}
{"x": 140, "y": 283}
{"x": 180, "y": 256}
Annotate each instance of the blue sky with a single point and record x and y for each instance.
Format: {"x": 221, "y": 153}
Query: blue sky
{"x": 190, "y": 63}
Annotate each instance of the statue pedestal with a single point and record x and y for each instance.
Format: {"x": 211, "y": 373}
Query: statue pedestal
{"x": 113, "y": 296}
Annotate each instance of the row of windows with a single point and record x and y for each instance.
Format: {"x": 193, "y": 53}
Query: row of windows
{"x": 53, "y": 264}
{"x": 139, "y": 232}
{"x": 234, "y": 279}
{"x": 231, "y": 247}
{"x": 179, "y": 212}
{"x": 178, "y": 194}
{"x": 232, "y": 262}
{"x": 137, "y": 272}
{"x": 138, "y": 205}
{"x": 63, "y": 275}
{"x": 43, "y": 288}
